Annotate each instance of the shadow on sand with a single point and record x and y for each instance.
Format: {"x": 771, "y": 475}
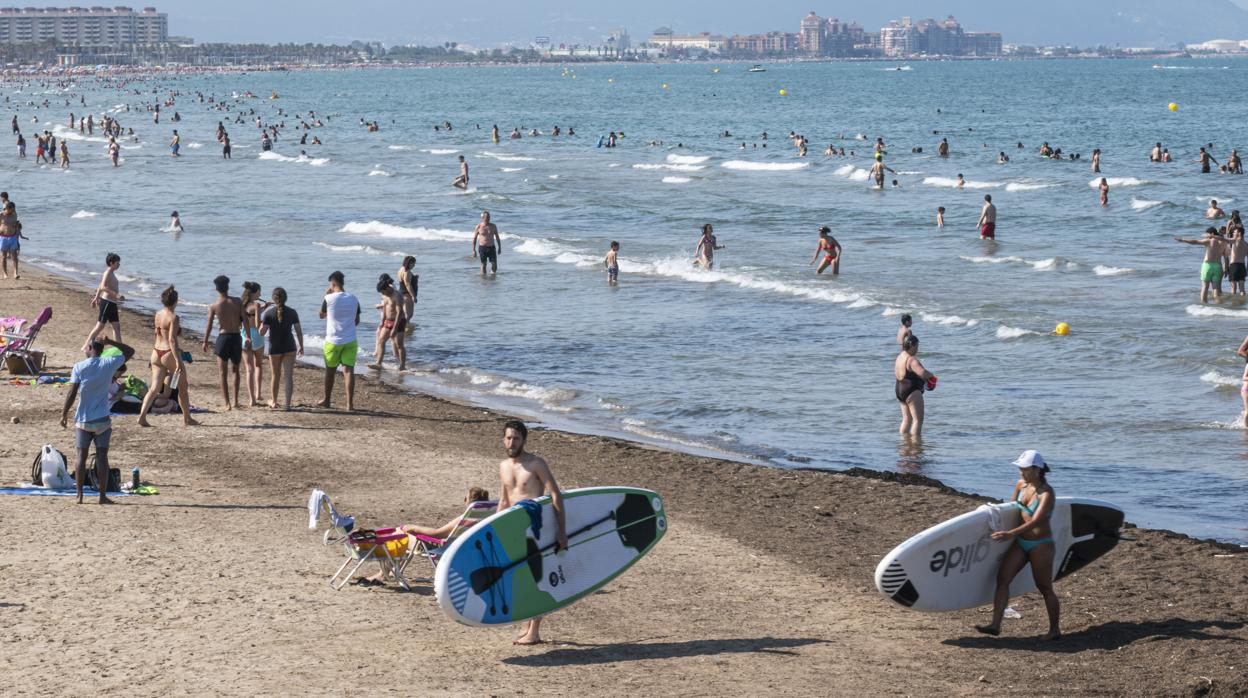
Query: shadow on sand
{"x": 631, "y": 652}
{"x": 1108, "y": 636}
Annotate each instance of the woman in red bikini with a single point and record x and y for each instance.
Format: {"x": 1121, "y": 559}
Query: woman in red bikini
{"x": 167, "y": 358}
{"x": 831, "y": 251}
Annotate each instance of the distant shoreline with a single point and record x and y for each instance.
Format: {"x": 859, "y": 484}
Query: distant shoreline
{"x": 113, "y": 71}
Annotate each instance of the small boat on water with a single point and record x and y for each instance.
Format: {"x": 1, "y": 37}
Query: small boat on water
{"x": 757, "y": 69}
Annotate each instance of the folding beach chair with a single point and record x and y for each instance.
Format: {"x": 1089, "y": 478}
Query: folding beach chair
{"x": 392, "y": 548}
{"x": 21, "y": 344}
{"x": 339, "y": 526}
{"x": 432, "y": 548}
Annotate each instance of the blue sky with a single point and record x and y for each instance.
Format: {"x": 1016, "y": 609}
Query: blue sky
{"x": 493, "y": 22}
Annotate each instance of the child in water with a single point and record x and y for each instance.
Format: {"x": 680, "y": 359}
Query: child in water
{"x": 940, "y": 216}
{"x": 612, "y": 263}
{"x": 175, "y": 223}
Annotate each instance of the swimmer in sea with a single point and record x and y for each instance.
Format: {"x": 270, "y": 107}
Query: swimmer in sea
{"x": 1155, "y": 155}
{"x": 831, "y": 251}
{"x": 943, "y": 149}
{"x": 612, "y": 263}
{"x": 1204, "y": 159}
{"x": 940, "y": 216}
{"x": 461, "y": 181}
{"x": 877, "y": 173}
{"x": 486, "y": 243}
{"x": 961, "y": 181}
{"x": 988, "y": 219}
{"x": 904, "y": 331}
{"x": 1236, "y": 251}
{"x": 1104, "y": 192}
{"x": 175, "y": 223}
{"x": 1096, "y": 160}
{"x": 1213, "y": 211}
{"x": 704, "y": 254}
{"x": 176, "y": 144}
{"x": 912, "y": 379}
{"x": 1211, "y": 265}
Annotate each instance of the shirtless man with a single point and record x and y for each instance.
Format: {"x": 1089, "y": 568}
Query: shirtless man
{"x": 988, "y": 220}
{"x": 461, "y": 182}
{"x": 1213, "y": 211}
{"x": 831, "y": 250}
{"x": 1236, "y": 251}
{"x": 393, "y": 324}
{"x": 526, "y": 477}
{"x": 943, "y": 149}
{"x": 1233, "y": 164}
{"x": 1155, "y": 156}
{"x": 487, "y": 244}
{"x": 904, "y": 331}
{"x": 176, "y": 144}
{"x": 612, "y": 263}
{"x": 1204, "y": 159}
{"x": 106, "y": 299}
{"x": 228, "y": 312}
{"x": 1211, "y": 266}
{"x": 877, "y": 173}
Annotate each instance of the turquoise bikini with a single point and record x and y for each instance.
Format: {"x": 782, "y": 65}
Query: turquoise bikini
{"x": 1029, "y": 545}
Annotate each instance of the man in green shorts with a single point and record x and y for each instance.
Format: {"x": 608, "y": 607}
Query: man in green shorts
{"x": 1211, "y": 267}
{"x": 341, "y": 312}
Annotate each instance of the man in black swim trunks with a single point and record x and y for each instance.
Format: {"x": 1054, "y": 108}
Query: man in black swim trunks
{"x": 228, "y": 312}
{"x": 486, "y": 243}
{"x": 106, "y": 299}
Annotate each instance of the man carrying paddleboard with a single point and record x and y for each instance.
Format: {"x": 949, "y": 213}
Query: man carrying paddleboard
{"x": 525, "y": 477}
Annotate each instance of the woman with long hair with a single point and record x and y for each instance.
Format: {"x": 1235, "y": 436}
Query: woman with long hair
{"x": 167, "y": 359}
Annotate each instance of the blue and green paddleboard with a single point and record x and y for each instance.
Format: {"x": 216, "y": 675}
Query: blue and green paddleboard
{"x": 506, "y": 569}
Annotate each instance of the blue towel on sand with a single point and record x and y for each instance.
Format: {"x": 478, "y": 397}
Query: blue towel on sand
{"x": 535, "y": 516}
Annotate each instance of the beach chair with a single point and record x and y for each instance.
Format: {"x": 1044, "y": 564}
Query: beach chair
{"x": 392, "y": 548}
{"x": 21, "y": 344}
{"x": 432, "y": 548}
{"x": 340, "y": 526}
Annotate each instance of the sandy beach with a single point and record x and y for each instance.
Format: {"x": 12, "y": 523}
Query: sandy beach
{"x": 763, "y": 585}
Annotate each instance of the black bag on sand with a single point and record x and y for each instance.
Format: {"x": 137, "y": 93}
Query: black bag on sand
{"x": 114, "y": 477}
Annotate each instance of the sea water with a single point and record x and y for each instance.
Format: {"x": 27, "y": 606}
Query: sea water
{"x": 759, "y": 359}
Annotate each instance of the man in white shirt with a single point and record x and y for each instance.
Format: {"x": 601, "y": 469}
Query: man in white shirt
{"x": 341, "y": 312}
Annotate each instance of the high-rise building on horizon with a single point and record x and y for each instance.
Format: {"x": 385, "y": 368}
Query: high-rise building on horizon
{"x": 95, "y": 26}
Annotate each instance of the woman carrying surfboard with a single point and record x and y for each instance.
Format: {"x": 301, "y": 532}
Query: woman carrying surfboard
{"x": 1033, "y": 540}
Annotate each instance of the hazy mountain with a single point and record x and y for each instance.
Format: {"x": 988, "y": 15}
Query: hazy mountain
{"x": 494, "y": 22}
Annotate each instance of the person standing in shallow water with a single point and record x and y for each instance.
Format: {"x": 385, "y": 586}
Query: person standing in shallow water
{"x": 1211, "y": 265}
{"x": 1033, "y": 543}
{"x": 831, "y": 251}
{"x": 988, "y": 219}
{"x": 911, "y": 380}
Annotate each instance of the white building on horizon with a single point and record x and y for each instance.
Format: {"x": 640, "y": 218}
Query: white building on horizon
{"x": 95, "y": 26}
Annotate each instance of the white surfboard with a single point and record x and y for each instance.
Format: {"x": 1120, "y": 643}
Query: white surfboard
{"x": 953, "y": 565}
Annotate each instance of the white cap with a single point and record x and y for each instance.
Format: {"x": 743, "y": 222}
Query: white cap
{"x": 1031, "y": 458}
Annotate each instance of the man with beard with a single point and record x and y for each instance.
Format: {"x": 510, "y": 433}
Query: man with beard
{"x": 526, "y": 477}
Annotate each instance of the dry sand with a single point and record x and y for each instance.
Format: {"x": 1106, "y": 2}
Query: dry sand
{"x": 763, "y": 585}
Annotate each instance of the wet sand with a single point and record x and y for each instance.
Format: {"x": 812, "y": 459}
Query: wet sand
{"x": 763, "y": 585}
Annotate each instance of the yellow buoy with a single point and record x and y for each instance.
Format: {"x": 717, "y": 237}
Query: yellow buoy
{"x": 665, "y": 86}
{"x": 784, "y": 93}
{"x": 1174, "y": 107}
{"x": 1062, "y": 329}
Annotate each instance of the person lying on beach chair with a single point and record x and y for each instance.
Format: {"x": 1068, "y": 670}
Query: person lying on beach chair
{"x": 431, "y": 541}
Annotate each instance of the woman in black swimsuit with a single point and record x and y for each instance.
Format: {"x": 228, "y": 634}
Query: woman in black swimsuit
{"x": 911, "y": 380}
